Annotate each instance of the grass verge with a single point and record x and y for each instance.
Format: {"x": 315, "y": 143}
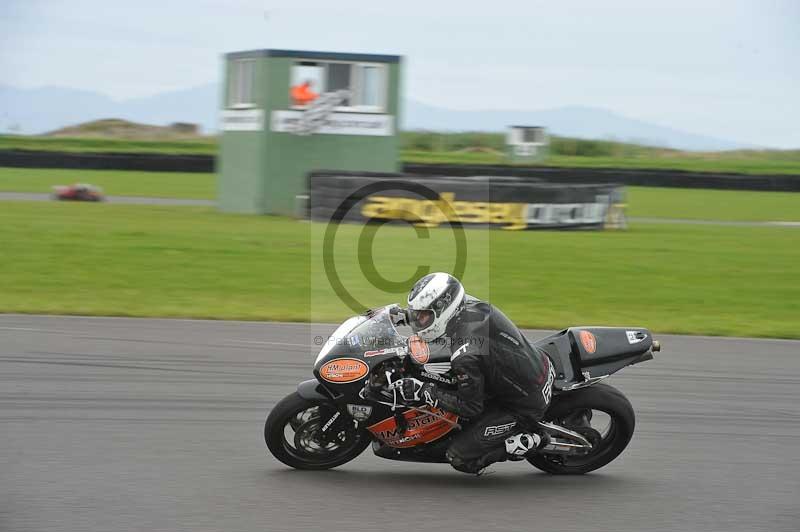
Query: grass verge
{"x": 737, "y": 162}
{"x": 193, "y": 262}
{"x": 705, "y": 204}
{"x": 113, "y": 182}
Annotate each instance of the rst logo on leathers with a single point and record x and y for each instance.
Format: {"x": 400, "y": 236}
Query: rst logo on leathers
{"x": 460, "y": 351}
{"x": 499, "y": 430}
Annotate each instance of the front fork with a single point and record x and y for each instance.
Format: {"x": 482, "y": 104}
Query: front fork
{"x": 333, "y": 420}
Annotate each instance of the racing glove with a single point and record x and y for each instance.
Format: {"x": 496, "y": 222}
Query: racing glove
{"x": 414, "y": 391}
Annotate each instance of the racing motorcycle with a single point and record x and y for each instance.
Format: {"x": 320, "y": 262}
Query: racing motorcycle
{"x": 352, "y": 402}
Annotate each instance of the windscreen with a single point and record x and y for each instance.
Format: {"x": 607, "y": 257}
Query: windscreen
{"x": 376, "y": 332}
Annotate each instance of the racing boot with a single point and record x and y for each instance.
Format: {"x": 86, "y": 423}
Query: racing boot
{"x": 519, "y": 445}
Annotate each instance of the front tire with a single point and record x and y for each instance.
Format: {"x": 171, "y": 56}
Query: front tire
{"x": 572, "y": 406}
{"x": 293, "y": 436}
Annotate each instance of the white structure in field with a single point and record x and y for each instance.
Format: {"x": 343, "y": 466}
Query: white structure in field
{"x": 527, "y": 143}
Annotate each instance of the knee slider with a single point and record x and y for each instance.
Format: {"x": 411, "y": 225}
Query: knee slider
{"x": 460, "y": 464}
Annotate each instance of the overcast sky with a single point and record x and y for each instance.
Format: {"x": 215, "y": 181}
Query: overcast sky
{"x": 728, "y": 69}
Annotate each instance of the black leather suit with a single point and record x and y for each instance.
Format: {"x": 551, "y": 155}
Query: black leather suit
{"x": 504, "y": 384}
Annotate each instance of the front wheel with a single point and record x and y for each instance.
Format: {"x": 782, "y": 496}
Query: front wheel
{"x": 294, "y": 435}
{"x": 602, "y": 415}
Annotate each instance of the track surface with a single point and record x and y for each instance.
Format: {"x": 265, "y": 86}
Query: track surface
{"x": 131, "y": 200}
{"x": 132, "y": 424}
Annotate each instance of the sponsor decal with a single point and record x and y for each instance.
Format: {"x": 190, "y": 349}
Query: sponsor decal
{"x": 513, "y": 216}
{"x": 242, "y": 120}
{"x": 544, "y": 214}
{"x": 388, "y": 351}
{"x": 428, "y": 213}
{"x": 422, "y": 427}
{"x": 634, "y": 337}
{"x": 292, "y": 121}
{"x": 460, "y": 351}
{"x": 547, "y": 391}
{"x": 406, "y": 439}
{"x": 359, "y": 412}
{"x": 589, "y": 341}
{"x": 343, "y": 370}
{"x": 429, "y": 398}
{"x": 509, "y": 337}
{"x": 497, "y": 430}
{"x": 420, "y": 352}
{"x": 437, "y": 367}
{"x": 330, "y": 422}
{"x": 436, "y": 377}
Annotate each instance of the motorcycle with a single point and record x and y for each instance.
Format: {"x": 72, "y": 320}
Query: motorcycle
{"x": 352, "y": 403}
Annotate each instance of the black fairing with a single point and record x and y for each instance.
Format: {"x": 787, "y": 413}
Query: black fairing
{"x": 614, "y": 349}
{"x": 313, "y": 391}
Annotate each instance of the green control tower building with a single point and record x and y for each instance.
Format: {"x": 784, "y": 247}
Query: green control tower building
{"x": 286, "y": 113}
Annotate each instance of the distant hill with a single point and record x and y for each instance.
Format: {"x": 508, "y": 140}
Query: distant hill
{"x": 35, "y": 111}
{"x": 124, "y": 129}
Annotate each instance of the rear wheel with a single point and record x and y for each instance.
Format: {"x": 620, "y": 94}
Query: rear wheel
{"x": 600, "y": 413}
{"x": 293, "y": 433}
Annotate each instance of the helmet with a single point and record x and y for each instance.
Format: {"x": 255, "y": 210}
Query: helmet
{"x": 433, "y": 301}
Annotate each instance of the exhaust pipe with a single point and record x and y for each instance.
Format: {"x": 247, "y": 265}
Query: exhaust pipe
{"x": 656, "y": 346}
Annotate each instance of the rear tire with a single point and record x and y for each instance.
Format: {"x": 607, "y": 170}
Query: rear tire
{"x": 600, "y": 397}
{"x": 287, "y": 414}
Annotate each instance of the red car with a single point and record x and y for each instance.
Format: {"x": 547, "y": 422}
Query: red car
{"x": 78, "y": 192}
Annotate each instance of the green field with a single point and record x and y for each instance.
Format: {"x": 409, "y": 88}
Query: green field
{"x": 193, "y": 262}
{"x": 699, "y": 204}
{"x": 113, "y": 182}
{"x": 472, "y": 148}
{"x": 704, "y": 204}
{"x": 734, "y": 163}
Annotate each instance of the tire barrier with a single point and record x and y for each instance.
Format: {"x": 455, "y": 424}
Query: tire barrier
{"x": 625, "y": 176}
{"x": 152, "y": 162}
{"x": 498, "y": 202}
{"x": 148, "y": 162}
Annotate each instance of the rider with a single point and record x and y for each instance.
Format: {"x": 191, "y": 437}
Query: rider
{"x": 504, "y": 384}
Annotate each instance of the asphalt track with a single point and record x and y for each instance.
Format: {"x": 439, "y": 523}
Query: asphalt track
{"x": 113, "y": 424}
{"x": 130, "y": 200}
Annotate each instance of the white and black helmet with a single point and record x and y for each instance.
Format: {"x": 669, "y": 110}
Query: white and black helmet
{"x": 434, "y": 300}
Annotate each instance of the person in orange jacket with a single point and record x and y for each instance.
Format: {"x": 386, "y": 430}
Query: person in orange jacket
{"x": 302, "y": 94}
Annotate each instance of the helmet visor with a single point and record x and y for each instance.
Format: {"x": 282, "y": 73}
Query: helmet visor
{"x": 420, "y": 319}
